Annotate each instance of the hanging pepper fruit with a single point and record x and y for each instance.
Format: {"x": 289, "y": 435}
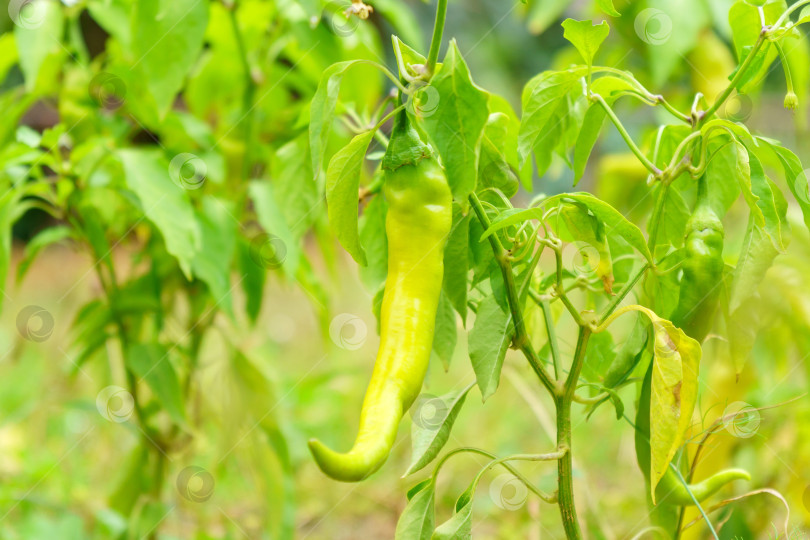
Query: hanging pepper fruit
{"x": 702, "y": 269}
{"x": 418, "y": 222}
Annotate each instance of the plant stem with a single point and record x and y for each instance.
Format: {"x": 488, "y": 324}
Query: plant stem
{"x": 733, "y": 84}
{"x": 655, "y": 219}
{"x": 504, "y": 462}
{"x": 626, "y": 136}
{"x": 552, "y": 338}
{"x": 436, "y": 40}
{"x": 521, "y": 340}
{"x": 782, "y": 18}
{"x": 565, "y": 479}
{"x": 616, "y": 300}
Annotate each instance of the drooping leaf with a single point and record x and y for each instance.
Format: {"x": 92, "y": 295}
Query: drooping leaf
{"x": 489, "y": 339}
{"x": 417, "y": 520}
{"x": 342, "y": 185}
{"x": 455, "y": 124}
{"x": 429, "y": 435}
{"x": 458, "y": 527}
{"x": 676, "y": 363}
{"x": 795, "y": 177}
{"x": 456, "y": 264}
{"x": 445, "y": 333}
{"x": 374, "y": 242}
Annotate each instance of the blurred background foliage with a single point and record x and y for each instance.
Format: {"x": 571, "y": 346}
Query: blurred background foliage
{"x": 102, "y": 97}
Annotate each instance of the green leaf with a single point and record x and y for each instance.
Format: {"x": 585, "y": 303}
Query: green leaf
{"x": 673, "y": 220}
{"x": 374, "y": 242}
{"x": 167, "y": 40}
{"x": 729, "y": 160}
{"x": 446, "y": 332}
{"x": 795, "y": 176}
{"x": 502, "y": 108}
{"x": 322, "y": 110}
{"x": 164, "y": 203}
{"x": 457, "y": 122}
{"x": 676, "y": 361}
{"x": 253, "y": 280}
{"x": 458, "y": 527}
{"x": 586, "y": 36}
{"x": 45, "y": 238}
{"x": 456, "y": 263}
{"x": 39, "y": 43}
{"x": 150, "y": 362}
{"x": 669, "y": 30}
{"x": 489, "y": 339}
{"x": 342, "y": 185}
{"x": 615, "y": 222}
{"x": 544, "y": 13}
{"x": 286, "y": 252}
{"x": 418, "y": 518}
{"x": 772, "y": 204}
{"x": 746, "y": 26}
{"x": 212, "y": 264}
{"x": 494, "y": 169}
{"x": 804, "y": 15}
{"x": 8, "y": 215}
{"x": 756, "y": 257}
{"x": 674, "y": 394}
{"x": 297, "y": 197}
{"x": 607, "y": 7}
{"x": 588, "y": 135}
{"x": 543, "y": 100}
{"x": 598, "y": 356}
{"x": 429, "y": 435}
{"x": 594, "y": 119}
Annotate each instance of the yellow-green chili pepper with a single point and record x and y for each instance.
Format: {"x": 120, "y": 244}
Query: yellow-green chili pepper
{"x": 702, "y": 269}
{"x": 417, "y": 225}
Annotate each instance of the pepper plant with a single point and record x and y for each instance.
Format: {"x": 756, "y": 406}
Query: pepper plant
{"x": 638, "y": 303}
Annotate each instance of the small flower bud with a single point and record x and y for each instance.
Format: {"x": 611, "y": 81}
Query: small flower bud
{"x": 791, "y": 101}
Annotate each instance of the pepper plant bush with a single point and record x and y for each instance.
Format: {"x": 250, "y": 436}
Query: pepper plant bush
{"x": 574, "y": 260}
{"x": 200, "y": 153}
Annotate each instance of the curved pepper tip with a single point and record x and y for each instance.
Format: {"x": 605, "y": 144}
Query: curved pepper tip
{"x": 343, "y": 467}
